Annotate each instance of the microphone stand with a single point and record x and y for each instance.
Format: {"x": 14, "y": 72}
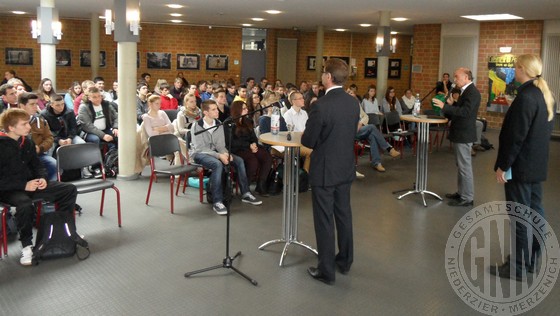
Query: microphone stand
{"x": 427, "y": 95}
{"x": 227, "y": 262}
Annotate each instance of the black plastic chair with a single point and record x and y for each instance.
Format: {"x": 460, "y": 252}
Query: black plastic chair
{"x": 393, "y": 119}
{"x": 164, "y": 145}
{"x": 171, "y": 114}
{"x": 78, "y": 156}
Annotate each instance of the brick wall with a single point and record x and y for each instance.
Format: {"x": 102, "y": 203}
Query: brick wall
{"x": 426, "y": 54}
{"x": 525, "y": 37}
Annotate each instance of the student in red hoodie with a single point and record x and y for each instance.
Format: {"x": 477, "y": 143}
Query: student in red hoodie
{"x": 168, "y": 102}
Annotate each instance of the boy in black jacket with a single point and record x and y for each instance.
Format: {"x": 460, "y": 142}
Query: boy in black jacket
{"x": 23, "y": 178}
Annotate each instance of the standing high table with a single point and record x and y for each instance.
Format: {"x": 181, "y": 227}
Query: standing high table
{"x": 291, "y": 189}
{"x": 422, "y": 153}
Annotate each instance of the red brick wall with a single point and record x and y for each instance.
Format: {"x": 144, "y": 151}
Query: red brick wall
{"x": 525, "y": 37}
{"x": 426, "y": 54}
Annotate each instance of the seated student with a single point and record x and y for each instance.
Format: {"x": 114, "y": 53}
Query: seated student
{"x": 297, "y": 117}
{"x": 244, "y": 143}
{"x": 264, "y": 121}
{"x": 221, "y": 102}
{"x": 156, "y": 122}
{"x": 24, "y": 178}
{"x": 98, "y": 120}
{"x": 40, "y": 132}
{"x": 188, "y": 114}
{"x": 209, "y": 149}
{"x": 168, "y": 102}
{"x": 142, "y": 95}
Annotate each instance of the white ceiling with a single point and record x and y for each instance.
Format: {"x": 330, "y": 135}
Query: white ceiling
{"x": 304, "y": 14}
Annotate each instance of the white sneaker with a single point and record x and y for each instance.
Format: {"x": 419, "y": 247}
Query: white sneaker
{"x": 359, "y": 175}
{"x": 250, "y": 198}
{"x": 26, "y": 256}
{"x": 219, "y": 208}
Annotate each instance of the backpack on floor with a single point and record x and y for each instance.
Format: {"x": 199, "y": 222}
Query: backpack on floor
{"x": 484, "y": 143}
{"x": 111, "y": 163}
{"x": 57, "y": 238}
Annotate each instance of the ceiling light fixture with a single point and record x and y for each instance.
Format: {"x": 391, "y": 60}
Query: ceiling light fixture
{"x": 273, "y": 11}
{"x": 394, "y": 32}
{"x": 257, "y": 19}
{"x": 246, "y": 24}
{"x": 18, "y": 12}
{"x": 176, "y": 21}
{"x": 340, "y": 30}
{"x": 175, "y": 14}
{"x": 492, "y": 17}
{"x": 365, "y": 25}
{"x": 399, "y": 19}
{"x": 174, "y": 6}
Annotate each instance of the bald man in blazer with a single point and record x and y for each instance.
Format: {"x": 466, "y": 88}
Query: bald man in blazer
{"x": 330, "y": 132}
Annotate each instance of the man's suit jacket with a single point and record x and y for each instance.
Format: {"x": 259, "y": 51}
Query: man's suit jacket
{"x": 525, "y": 136}
{"x": 330, "y": 132}
{"x": 463, "y": 116}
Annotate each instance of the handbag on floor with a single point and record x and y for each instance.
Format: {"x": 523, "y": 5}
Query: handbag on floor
{"x": 57, "y": 238}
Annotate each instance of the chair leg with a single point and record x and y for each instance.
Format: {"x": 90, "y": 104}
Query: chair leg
{"x": 178, "y": 184}
{"x": 102, "y": 202}
{"x": 118, "y": 204}
{"x": 200, "y": 185}
{"x": 149, "y": 189}
{"x": 172, "y": 183}
{"x": 38, "y": 216}
{"x": 185, "y": 180}
{"x": 4, "y": 232}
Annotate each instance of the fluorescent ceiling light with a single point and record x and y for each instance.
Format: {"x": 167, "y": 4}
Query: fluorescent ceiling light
{"x": 273, "y": 11}
{"x": 365, "y": 25}
{"x": 492, "y": 17}
{"x": 246, "y": 24}
{"x": 340, "y": 30}
{"x": 399, "y": 19}
{"x": 174, "y": 6}
{"x": 394, "y": 32}
{"x": 176, "y": 14}
{"x": 176, "y": 21}
{"x": 257, "y": 19}
{"x": 18, "y": 12}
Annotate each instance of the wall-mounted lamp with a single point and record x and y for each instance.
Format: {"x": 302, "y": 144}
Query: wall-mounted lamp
{"x": 55, "y": 25}
{"x": 133, "y": 18}
{"x": 378, "y": 44}
{"x": 393, "y": 47}
{"x": 505, "y": 49}
{"x": 57, "y": 30}
{"x": 109, "y": 24}
{"x": 40, "y": 29}
{"x": 35, "y": 29}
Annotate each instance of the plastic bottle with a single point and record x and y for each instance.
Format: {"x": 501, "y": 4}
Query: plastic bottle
{"x": 416, "y": 109}
{"x": 275, "y": 121}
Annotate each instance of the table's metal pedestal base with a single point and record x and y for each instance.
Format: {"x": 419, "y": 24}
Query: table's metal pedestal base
{"x": 421, "y": 192}
{"x": 290, "y": 210}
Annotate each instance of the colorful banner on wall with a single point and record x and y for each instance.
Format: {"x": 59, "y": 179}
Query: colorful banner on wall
{"x": 501, "y": 83}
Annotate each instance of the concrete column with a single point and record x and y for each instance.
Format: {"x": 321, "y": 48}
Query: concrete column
{"x": 126, "y": 68}
{"x": 383, "y": 31}
{"x": 127, "y": 42}
{"x": 319, "y": 52}
{"x": 94, "y": 45}
{"x": 46, "y": 14}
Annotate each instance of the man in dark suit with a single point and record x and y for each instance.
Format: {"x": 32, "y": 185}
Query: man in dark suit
{"x": 330, "y": 132}
{"x": 462, "y": 132}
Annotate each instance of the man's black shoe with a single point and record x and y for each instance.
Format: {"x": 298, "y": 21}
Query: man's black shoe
{"x": 460, "y": 202}
{"x": 317, "y": 275}
{"x": 343, "y": 270}
{"x": 504, "y": 271}
{"x": 453, "y": 196}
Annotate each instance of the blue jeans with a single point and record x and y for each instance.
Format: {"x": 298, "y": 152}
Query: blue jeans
{"x": 50, "y": 164}
{"x": 92, "y": 138}
{"x": 376, "y": 141}
{"x": 217, "y": 167}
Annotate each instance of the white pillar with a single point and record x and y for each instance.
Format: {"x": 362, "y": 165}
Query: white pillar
{"x": 126, "y": 72}
{"x": 319, "y": 52}
{"x": 94, "y": 44}
{"x": 383, "y": 55}
{"x": 48, "y": 43}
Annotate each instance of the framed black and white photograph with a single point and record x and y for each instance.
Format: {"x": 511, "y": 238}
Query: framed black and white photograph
{"x": 85, "y": 58}
{"x": 370, "y": 68}
{"x": 346, "y": 59}
{"x": 394, "y": 69}
{"x": 188, "y": 61}
{"x": 311, "y": 62}
{"x": 19, "y": 56}
{"x": 158, "y": 60}
{"x": 137, "y": 59}
{"x": 216, "y": 62}
{"x": 63, "y": 57}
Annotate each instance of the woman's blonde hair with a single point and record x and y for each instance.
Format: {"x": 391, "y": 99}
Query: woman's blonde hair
{"x": 532, "y": 65}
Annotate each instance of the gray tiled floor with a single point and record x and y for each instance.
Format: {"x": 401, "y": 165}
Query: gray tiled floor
{"x": 138, "y": 269}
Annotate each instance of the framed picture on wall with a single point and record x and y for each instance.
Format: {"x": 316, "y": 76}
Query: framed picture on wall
{"x": 370, "y": 68}
{"x": 395, "y": 68}
{"x": 19, "y": 56}
{"x": 346, "y": 59}
{"x": 311, "y": 62}
{"x": 85, "y": 58}
{"x": 188, "y": 61}
{"x": 158, "y": 60}
{"x": 63, "y": 57}
{"x": 216, "y": 62}
{"x": 137, "y": 59}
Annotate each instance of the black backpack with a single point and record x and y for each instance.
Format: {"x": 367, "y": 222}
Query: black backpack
{"x": 57, "y": 238}
{"x": 111, "y": 163}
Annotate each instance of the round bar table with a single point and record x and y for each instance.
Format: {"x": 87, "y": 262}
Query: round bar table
{"x": 424, "y": 122}
{"x": 291, "y": 189}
